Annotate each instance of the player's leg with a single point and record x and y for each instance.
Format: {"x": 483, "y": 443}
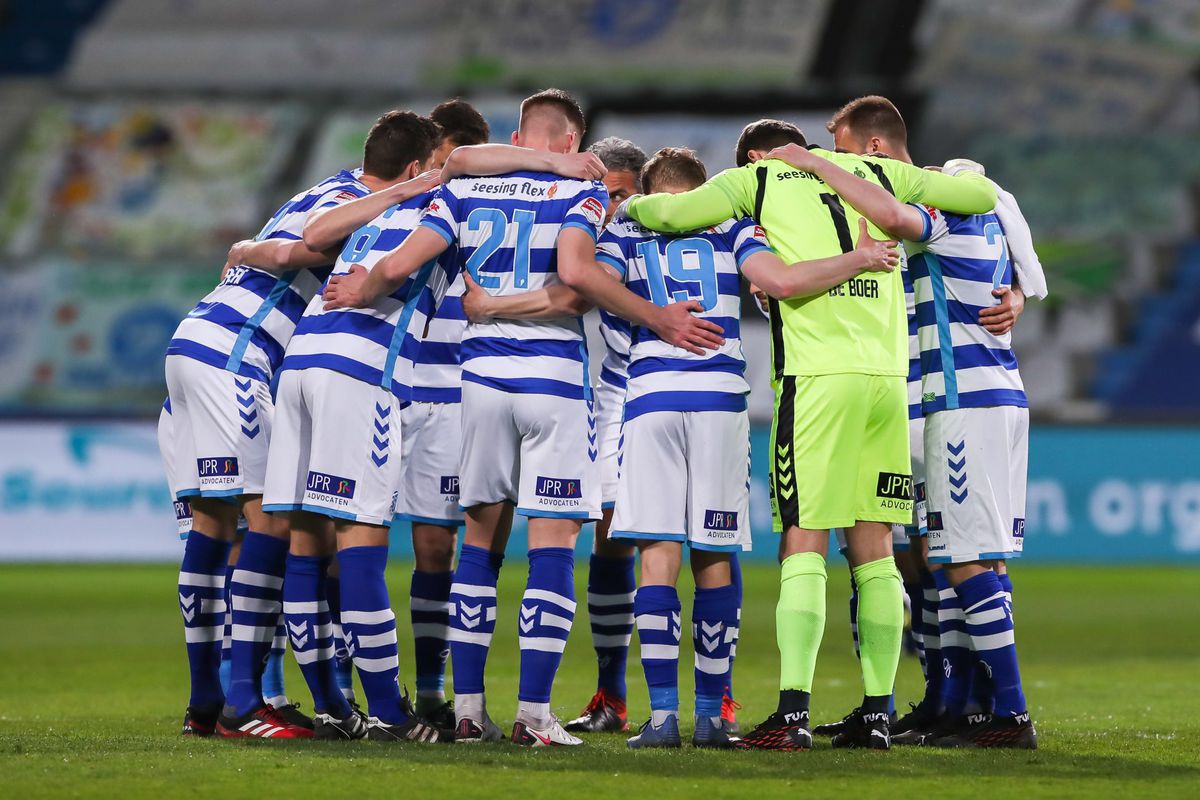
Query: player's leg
{"x": 718, "y": 501}
{"x": 559, "y": 489}
{"x": 730, "y": 706}
{"x": 611, "y": 582}
{"x": 227, "y": 636}
{"x": 488, "y": 464}
{"x": 651, "y": 509}
{"x": 659, "y": 631}
{"x": 199, "y": 581}
{"x": 884, "y": 497}
{"x": 816, "y": 433}
{"x": 473, "y": 616}
{"x": 429, "y": 498}
{"x": 343, "y": 663}
{"x": 995, "y": 446}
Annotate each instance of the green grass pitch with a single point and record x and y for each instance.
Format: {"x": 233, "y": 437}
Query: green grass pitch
{"x": 93, "y": 684}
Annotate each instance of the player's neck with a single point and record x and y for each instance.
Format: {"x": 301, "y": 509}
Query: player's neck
{"x": 376, "y": 184}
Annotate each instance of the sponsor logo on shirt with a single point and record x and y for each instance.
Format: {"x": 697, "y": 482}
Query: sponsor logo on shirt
{"x": 330, "y": 487}
{"x": 449, "y": 484}
{"x": 593, "y": 210}
{"x": 720, "y": 520}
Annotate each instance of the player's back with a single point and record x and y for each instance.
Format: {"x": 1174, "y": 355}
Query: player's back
{"x": 246, "y": 322}
{"x": 365, "y": 343}
{"x": 858, "y": 326}
{"x": 506, "y": 228}
{"x": 663, "y": 268}
{"x": 963, "y": 365}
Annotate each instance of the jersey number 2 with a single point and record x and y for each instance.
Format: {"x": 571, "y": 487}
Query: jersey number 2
{"x": 497, "y": 225}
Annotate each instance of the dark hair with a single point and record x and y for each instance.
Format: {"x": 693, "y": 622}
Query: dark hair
{"x": 766, "y": 134}
{"x": 397, "y": 139}
{"x": 460, "y": 122}
{"x": 619, "y": 155}
{"x": 871, "y": 115}
{"x": 673, "y": 166}
{"x": 558, "y": 100}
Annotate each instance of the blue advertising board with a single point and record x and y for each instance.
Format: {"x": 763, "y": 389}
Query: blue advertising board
{"x": 1096, "y": 495}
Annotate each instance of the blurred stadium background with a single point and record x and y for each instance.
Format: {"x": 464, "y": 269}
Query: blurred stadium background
{"x": 141, "y": 137}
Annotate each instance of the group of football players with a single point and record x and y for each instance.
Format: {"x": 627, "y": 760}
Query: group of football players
{"x": 405, "y": 341}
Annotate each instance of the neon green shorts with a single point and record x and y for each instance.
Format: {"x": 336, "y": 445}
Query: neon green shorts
{"x": 839, "y": 451}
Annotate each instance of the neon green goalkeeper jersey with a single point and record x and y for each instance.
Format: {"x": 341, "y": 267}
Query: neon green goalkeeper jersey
{"x": 859, "y": 326}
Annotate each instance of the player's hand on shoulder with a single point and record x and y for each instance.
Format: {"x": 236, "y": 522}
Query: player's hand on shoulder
{"x": 879, "y": 255}
{"x": 678, "y": 326}
{"x": 585, "y": 166}
{"x": 237, "y": 254}
{"x": 346, "y": 290}
{"x": 426, "y": 182}
{"x": 476, "y": 302}
{"x": 1000, "y": 318}
{"x": 761, "y": 299}
{"x": 798, "y": 156}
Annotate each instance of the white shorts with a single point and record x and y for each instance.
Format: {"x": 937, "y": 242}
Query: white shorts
{"x": 221, "y": 425}
{"x": 976, "y": 483}
{"x": 528, "y": 449}
{"x": 610, "y": 411}
{"x": 429, "y": 484}
{"x": 166, "y": 446}
{"x": 685, "y": 477}
{"x": 336, "y": 449}
{"x": 916, "y": 445}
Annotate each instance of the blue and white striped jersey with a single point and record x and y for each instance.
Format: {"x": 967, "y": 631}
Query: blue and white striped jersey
{"x": 955, "y": 267}
{"x": 245, "y": 323}
{"x": 702, "y": 265}
{"x": 506, "y": 228}
{"x": 433, "y": 344}
{"x": 616, "y": 333}
{"x": 365, "y": 343}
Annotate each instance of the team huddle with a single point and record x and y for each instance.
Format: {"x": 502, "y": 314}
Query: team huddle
{"x": 404, "y": 341}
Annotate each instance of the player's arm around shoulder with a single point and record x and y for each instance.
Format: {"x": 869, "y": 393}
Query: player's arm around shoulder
{"x": 326, "y": 228}
{"x": 500, "y": 159}
{"x": 964, "y": 193}
{"x": 725, "y": 195}
{"x": 783, "y": 281}
{"x": 360, "y": 288}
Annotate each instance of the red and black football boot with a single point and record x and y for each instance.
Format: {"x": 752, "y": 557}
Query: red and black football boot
{"x": 993, "y": 731}
{"x": 729, "y": 709}
{"x": 200, "y": 720}
{"x": 786, "y": 732}
{"x": 262, "y": 723}
{"x": 604, "y": 714}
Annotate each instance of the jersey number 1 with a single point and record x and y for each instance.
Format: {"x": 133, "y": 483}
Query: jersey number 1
{"x": 703, "y": 273}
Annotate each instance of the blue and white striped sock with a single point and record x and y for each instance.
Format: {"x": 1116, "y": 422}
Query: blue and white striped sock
{"x": 610, "y": 614}
{"x": 429, "y": 604}
{"x": 657, "y": 613}
{"x": 989, "y": 624}
{"x": 472, "y": 623}
{"x": 735, "y": 573}
{"x": 343, "y": 664}
{"x": 370, "y": 629}
{"x": 714, "y": 625}
{"x": 273, "y": 691}
{"x": 957, "y": 662}
{"x": 544, "y": 622}
{"x": 256, "y": 595}
{"x": 310, "y": 628}
{"x": 227, "y": 633}
{"x": 932, "y": 639}
{"x": 202, "y": 604}
{"x": 1007, "y": 586}
{"x": 913, "y": 592}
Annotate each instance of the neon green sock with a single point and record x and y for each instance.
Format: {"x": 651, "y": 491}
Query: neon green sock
{"x": 880, "y": 624}
{"x": 800, "y": 619}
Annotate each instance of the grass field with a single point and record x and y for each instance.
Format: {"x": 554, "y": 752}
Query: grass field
{"x": 93, "y": 685}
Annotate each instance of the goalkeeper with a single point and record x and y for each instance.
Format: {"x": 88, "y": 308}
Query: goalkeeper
{"x": 839, "y": 438}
